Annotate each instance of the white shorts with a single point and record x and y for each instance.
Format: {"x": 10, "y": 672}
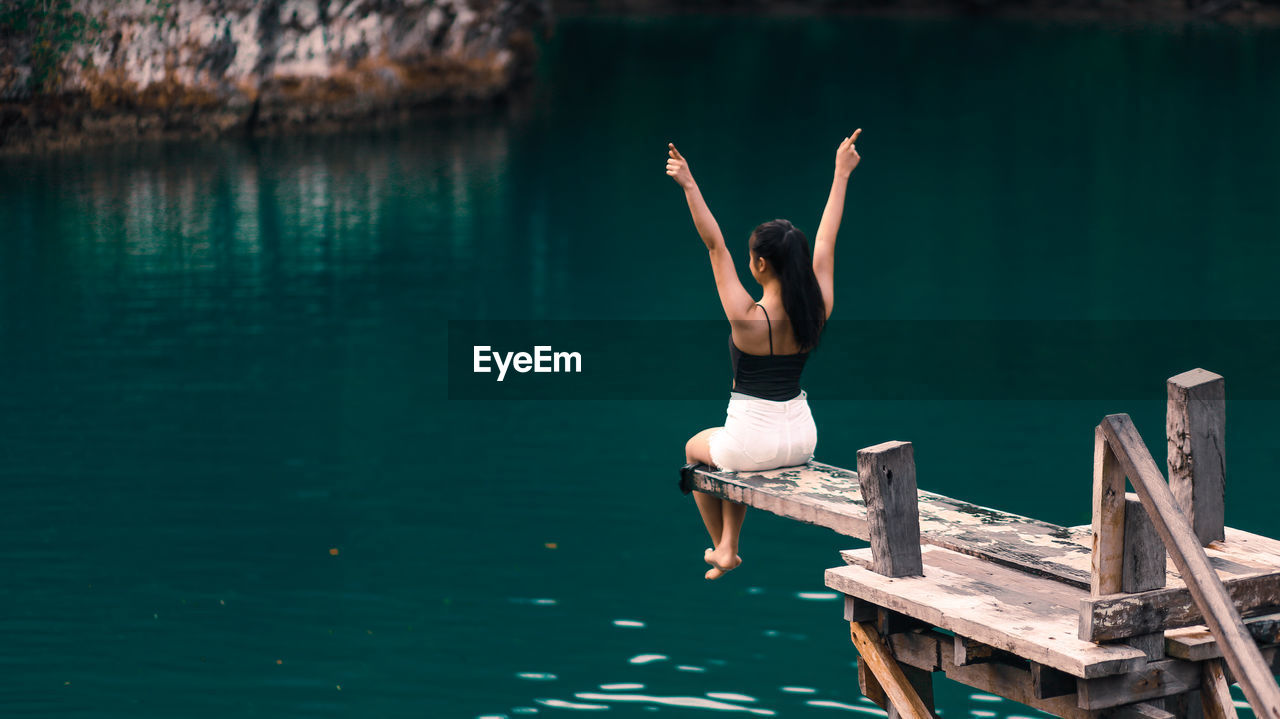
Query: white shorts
{"x": 763, "y": 434}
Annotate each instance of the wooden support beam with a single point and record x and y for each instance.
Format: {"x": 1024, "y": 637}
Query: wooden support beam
{"x": 887, "y": 477}
{"x": 1013, "y": 683}
{"x": 1047, "y": 682}
{"x": 1195, "y": 426}
{"x": 970, "y": 651}
{"x": 921, "y": 650}
{"x": 1118, "y": 616}
{"x": 1215, "y": 693}
{"x": 899, "y": 691}
{"x": 1141, "y": 710}
{"x": 859, "y": 610}
{"x": 1155, "y": 680}
{"x": 1197, "y": 644}
{"x": 1184, "y": 547}
{"x": 890, "y": 623}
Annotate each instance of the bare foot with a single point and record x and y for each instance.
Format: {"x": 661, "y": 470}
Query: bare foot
{"x": 719, "y": 567}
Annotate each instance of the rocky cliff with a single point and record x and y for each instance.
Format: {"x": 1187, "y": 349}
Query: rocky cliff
{"x": 77, "y": 71}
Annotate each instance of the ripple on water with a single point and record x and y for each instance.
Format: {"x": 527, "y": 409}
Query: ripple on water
{"x": 621, "y": 687}
{"x": 647, "y": 658}
{"x": 817, "y": 596}
{"x": 985, "y": 698}
{"x": 690, "y": 668}
{"x": 828, "y": 704}
{"x": 562, "y": 704}
{"x": 981, "y": 713}
{"x": 730, "y": 697}
{"x": 687, "y": 702}
{"x": 799, "y": 690}
{"x": 524, "y": 710}
{"x": 536, "y": 676}
{"x": 627, "y": 623}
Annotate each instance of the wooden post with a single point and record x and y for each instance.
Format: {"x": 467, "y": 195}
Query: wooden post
{"x": 1143, "y": 569}
{"x": 1195, "y": 424}
{"x": 922, "y": 682}
{"x": 1215, "y": 694}
{"x": 967, "y": 651}
{"x": 1220, "y": 614}
{"x": 870, "y": 686}
{"x": 1106, "y": 573}
{"x": 887, "y": 478}
{"x": 919, "y": 679}
{"x": 1047, "y": 682}
{"x": 897, "y": 688}
{"x": 1127, "y": 553}
{"x": 1144, "y": 555}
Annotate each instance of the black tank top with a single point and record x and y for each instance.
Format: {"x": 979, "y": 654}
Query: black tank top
{"x": 771, "y": 376}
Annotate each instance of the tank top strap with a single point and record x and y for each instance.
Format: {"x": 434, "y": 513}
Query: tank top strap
{"x": 767, "y": 324}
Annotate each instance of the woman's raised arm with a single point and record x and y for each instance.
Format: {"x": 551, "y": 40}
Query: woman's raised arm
{"x": 824, "y": 245}
{"x": 734, "y": 298}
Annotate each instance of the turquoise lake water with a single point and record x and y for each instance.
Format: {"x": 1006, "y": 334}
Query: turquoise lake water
{"x": 235, "y": 485}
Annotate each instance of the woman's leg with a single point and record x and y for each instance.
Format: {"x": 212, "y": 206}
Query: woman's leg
{"x": 726, "y": 552}
{"x": 697, "y": 449}
{"x": 722, "y": 517}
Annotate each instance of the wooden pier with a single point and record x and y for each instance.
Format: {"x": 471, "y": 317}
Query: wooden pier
{"x": 1152, "y": 611}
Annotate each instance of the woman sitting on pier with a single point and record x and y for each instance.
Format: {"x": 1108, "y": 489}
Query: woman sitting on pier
{"x": 768, "y": 424}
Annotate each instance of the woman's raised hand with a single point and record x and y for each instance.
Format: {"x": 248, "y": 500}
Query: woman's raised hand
{"x": 677, "y": 167}
{"x": 847, "y": 155}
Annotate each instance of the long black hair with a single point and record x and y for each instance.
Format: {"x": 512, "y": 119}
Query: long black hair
{"x": 786, "y": 249}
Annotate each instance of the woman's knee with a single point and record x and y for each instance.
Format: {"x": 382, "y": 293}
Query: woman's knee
{"x": 698, "y": 448}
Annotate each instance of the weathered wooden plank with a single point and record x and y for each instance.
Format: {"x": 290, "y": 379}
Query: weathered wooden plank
{"x": 1215, "y": 694}
{"x": 1029, "y": 616}
{"x": 1152, "y": 681}
{"x": 814, "y": 493}
{"x": 1119, "y": 616}
{"x": 1197, "y": 643}
{"x": 887, "y": 478}
{"x": 829, "y": 496}
{"x": 1195, "y": 426}
{"x": 1106, "y": 574}
{"x": 1241, "y": 554}
{"x": 1047, "y": 682}
{"x": 1185, "y": 549}
{"x": 899, "y": 691}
